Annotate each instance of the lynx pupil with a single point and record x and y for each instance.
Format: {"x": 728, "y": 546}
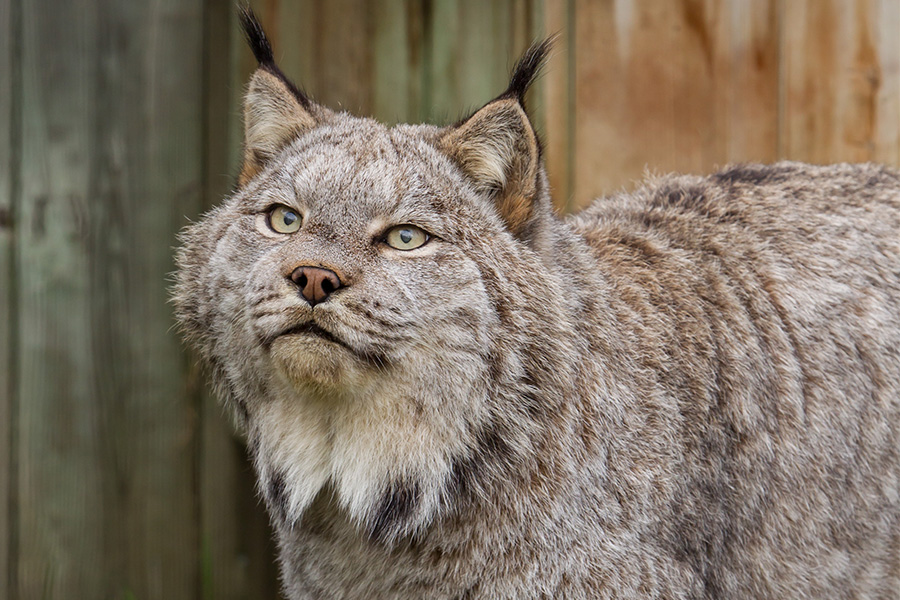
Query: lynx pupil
{"x": 406, "y": 237}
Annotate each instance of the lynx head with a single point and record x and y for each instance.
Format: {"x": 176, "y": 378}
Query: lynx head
{"x": 365, "y": 292}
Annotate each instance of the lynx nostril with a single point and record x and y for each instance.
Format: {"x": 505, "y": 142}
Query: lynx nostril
{"x": 315, "y": 283}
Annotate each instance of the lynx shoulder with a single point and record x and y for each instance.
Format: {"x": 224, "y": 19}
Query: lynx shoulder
{"x": 688, "y": 391}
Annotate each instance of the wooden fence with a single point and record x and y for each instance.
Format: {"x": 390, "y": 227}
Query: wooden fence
{"x": 119, "y": 477}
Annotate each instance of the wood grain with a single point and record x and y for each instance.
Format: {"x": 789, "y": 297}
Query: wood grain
{"x": 841, "y": 80}
{"x": 398, "y": 47}
{"x": 472, "y": 48}
{"x": 559, "y": 103}
{"x": 674, "y": 86}
{"x": 9, "y": 168}
{"x": 111, "y": 151}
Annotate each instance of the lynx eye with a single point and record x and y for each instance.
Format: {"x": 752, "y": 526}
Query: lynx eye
{"x": 405, "y": 237}
{"x": 283, "y": 219}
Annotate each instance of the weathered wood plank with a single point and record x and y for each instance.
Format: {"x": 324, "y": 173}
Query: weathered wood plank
{"x": 462, "y": 67}
{"x": 747, "y": 77}
{"x": 440, "y": 95}
{"x": 401, "y": 60}
{"x": 841, "y": 81}
{"x": 294, "y": 38}
{"x": 111, "y": 151}
{"x": 9, "y": 140}
{"x": 679, "y": 86}
{"x": 528, "y": 25}
{"x": 884, "y": 21}
{"x": 343, "y": 62}
{"x": 397, "y": 54}
{"x": 60, "y": 485}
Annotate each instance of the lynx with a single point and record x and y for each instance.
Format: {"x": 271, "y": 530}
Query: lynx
{"x": 448, "y": 391}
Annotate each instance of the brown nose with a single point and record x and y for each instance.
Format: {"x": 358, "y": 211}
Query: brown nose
{"x": 315, "y": 284}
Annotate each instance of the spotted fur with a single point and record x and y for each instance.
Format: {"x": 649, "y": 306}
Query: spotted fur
{"x": 688, "y": 391}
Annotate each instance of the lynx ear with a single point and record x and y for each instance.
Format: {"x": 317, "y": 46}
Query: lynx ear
{"x": 275, "y": 110}
{"x": 498, "y": 148}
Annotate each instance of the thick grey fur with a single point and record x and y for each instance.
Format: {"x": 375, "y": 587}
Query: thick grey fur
{"x": 688, "y": 391}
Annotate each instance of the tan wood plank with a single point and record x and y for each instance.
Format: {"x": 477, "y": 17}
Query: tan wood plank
{"x": 673, "y": 86}
{"x": 343, "y": 62}
{"x": 841, "y": 80}
{"x": 559, "y": 102}
{"x": 107, "y": 439}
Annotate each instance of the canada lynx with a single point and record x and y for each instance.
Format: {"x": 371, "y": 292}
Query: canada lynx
{"x": 689, "y": 391}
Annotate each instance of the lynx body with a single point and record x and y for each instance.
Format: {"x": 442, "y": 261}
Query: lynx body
{"x": 689, "y": 391}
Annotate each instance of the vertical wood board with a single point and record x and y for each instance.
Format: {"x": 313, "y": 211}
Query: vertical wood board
{"x": 559, "y": 103}
{"x": 111, "y": 150}
{"x": 8, "y": 192}
{"x": 676, "y": 86}
{"x": 59, "y": 485}
{"x": 472, "y": 47}
{"x": 841, "y": 61}
{"x": 398, "y": 45}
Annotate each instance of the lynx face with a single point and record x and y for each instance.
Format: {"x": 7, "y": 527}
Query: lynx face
{"x": 385, "y": 305}
{"x": 349, "y": 296}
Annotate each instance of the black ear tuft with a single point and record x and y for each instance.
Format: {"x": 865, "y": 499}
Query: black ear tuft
{"x": 527, "y": 69}
{"x": 262, "y": 50}
{"x": 256, "y": 37}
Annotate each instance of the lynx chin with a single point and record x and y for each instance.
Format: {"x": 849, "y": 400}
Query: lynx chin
{"x": 448, "y": 391}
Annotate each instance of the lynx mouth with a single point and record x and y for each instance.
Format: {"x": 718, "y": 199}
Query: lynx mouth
{"x": 311, "y": 329}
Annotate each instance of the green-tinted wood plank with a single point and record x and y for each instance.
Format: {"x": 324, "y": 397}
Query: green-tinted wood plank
{"x": 471, "y": 47}
{"x": 294, "y": 24}
{"x": 529, "y": 26}
{"x": 111, "y": 153}
{"x": 223, "y": 86}
{"x": 485, "y": 55}
{"x": 60, "y": 482}
{"x": 441, "y": 98}
{"x": 9, "y": 140}
{"x": 238, "y": 544}
{"x": 397, "y": 52}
